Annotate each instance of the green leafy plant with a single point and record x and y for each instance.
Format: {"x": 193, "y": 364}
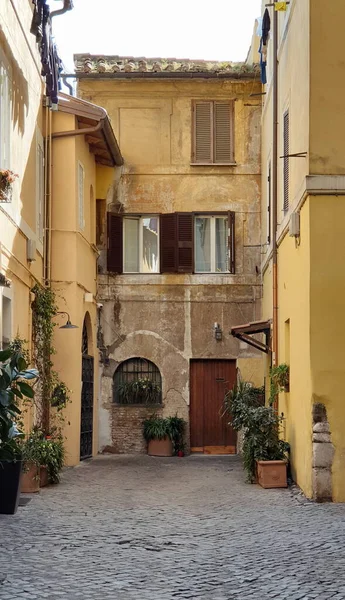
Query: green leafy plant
{"x": 139, "y": 391}
{"x": 176, "y": 428}
{"x": 279, "y": 381}
{"x": 52, "y": 456}
{"x": 260, "y": 425}
{"x": 13, "y": 390}
{"x": 156, "y": 428}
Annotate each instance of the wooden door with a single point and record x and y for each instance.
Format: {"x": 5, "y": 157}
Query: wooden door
{"x": 209, "y": 431}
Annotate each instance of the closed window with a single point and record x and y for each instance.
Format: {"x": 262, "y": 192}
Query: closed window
{"x": 171, "y": 243}
{"x": 141, "y": 244}
{"x": 137, "y": 381}
{"x": 286, "y": 165}
{"x": 5, "y": 113}
{"x": 213, "y": 133}
{"x": 81, "y": 177}
{"x": 6, "y": 319}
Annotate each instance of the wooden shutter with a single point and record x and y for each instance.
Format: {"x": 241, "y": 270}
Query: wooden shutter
{"x": 202, "y": 132}
{"x": 269, "y": 199}
{"x": 115, "y": 243}
{"x": 185, "y": 243}
{"x": 232, "y": 254}
{"x": 286, "y": 160}
{"x": 168, "y": 243}
{"x": 223, "y": 137}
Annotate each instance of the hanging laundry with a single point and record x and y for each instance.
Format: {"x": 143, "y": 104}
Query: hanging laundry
{"x": 263, "y": 63}
{"x": 280, "y": 6}
{"x": 266, "y": 26}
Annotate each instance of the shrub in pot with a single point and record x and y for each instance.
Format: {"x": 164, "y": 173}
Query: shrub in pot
{"x": 176, "y": 427}
{"x": 13, "y": 388}
{"x": 52, "y": 458}
{"x": 157, "y": 435}
{"x": 264, "y": 453}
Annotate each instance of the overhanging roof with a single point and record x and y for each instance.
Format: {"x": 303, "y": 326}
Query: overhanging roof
{"x": 102, "y": 143}
{"x": 244, "y": 333}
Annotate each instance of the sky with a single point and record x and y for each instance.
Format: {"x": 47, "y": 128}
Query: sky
{"x": 214, "y": 30}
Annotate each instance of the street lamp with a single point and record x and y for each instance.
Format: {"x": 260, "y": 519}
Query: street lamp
{"x": 68, "y": 325}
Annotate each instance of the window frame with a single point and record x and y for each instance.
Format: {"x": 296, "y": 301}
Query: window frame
{"x": 5, "y": 111}
{"x": 81, "y": 197}
{"x": 122, "y": 374}
{"x": 232, "y": 161}
{"x": 214, "y": 216}
{"x": 6, "y": 293}
{"x": 140, "y": 242}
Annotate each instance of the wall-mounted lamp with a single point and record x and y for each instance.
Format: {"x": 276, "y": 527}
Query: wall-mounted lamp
{"x": 68, "y": 325}
{"x": 218, "y": 334}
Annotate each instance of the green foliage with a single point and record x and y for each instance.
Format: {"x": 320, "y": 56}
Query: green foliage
{"x": 155, "y": 428}
{"x": 176, "y": 427}
{"x": 260, "y": 425}
{"x": 280, "y": 378}
{"x": 140, "y": 391}
{"x": 13, "y": 388}
{"x": 43, "y": 451}
{"x": 158, "y": 428}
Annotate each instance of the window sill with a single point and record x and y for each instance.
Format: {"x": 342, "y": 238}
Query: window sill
{"x": 232, "y": 164}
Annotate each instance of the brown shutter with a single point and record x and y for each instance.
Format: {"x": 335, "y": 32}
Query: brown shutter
{"x": 185, "y": 243}
{"x": 223, "y": 142}
{"x": 286, "y": 160}
{"x": 269, "y": 205}
{"x": 168, "y": 243}
{"x": 115, "y": 243}
{"x": 202, "y": 132}
{"x": 232, "y": 255}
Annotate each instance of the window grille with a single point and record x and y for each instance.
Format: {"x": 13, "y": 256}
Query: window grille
{"x": 130, "y": 378}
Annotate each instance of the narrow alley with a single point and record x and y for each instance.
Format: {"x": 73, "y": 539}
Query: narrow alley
{"x": 143, "y": 528}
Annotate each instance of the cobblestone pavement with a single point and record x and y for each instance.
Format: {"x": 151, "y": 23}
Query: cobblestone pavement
{"x": 125, "y": 528}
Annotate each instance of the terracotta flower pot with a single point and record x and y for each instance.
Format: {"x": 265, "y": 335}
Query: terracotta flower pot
{"x": 44, "y": 476}
{"x": 160, "y": 447}
{"x": 271, "y": 473}
{"x": 30, "y": 479}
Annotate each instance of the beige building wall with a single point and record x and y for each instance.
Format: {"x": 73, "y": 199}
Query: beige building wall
{"x": 169, "y": 318}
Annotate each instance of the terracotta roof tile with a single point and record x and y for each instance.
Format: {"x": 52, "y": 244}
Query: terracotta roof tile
{"x": 93, "y": 64}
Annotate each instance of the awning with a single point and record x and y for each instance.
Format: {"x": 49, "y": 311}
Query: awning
{"x": 244, "y": 333}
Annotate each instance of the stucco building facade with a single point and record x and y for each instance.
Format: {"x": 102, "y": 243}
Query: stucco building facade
{"x": 179, "y": 239}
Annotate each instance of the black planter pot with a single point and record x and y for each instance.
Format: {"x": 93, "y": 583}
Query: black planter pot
{"x": 10, "y": 475}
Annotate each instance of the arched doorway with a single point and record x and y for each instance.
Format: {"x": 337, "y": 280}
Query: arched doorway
{"x": 86, "y": 424}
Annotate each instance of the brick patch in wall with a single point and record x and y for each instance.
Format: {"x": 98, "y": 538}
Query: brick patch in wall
{"x": 126, "y": 427}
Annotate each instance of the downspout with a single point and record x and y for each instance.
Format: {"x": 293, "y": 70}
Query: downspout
{"x": 275, "y": 193}
{"x": 67, "y": 5}
{"x": 83, "y": 131}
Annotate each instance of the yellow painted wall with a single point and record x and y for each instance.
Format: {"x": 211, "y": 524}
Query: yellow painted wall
{"x": 327, "y": 332}
{"x": 74, "y": 271}
{"x": 18, "y": 219}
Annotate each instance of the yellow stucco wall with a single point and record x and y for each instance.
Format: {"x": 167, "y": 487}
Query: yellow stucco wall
{"x": 74, "y": 271}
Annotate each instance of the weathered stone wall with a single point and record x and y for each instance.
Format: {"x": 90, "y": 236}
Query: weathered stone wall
{"x": 126, "y": 427}
{"x": 323, "y": 453}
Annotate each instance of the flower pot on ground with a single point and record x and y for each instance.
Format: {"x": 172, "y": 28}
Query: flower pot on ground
{"x": 157, "y": 435}
{"x": 13, "y": 388}
{"x": 30, "y": 478}
{"x": 261, "y": 435}
{"x": 43, "y": 476}
{"x": 10, "y": 478}
{"x": 271, "y": 473}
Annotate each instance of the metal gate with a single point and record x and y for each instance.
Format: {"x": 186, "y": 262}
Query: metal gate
{"x": 86, "y": 424}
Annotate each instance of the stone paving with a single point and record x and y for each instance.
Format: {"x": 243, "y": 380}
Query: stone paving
{"x": 141, "y": 528}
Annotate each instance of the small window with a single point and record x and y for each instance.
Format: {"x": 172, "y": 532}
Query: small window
{"x": 286, "y": 165}
{"x": 211, "y": 244}
{"x": 5, "y": 113}
{"x": 141, "y": 244}
{"x": 137, "y": 381}
{"x": 6, "y": 321}
{"x": 81, "y": 177}
{"x": 39, "y": 188}
{"x": 213, "y": 136}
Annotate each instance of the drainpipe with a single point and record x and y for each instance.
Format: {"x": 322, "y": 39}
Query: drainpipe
{"x": 275, "y": 192}
{"x": 83, "y": 131}
{"x": 67, "y": 5}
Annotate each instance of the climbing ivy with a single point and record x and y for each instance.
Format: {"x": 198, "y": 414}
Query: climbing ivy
{"x": 44, "y": 309}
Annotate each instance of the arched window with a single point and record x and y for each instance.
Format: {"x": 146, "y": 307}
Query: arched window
{"x": 137, "y": 381}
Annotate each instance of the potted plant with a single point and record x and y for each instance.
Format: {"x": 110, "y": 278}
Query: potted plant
{"x": 7, "y": 178}
{"x": 156, "y": 432}
{"x": 176, "y": 426}
{"x": 13, "y": 388}
{"x": 264, "y": 453}
{"x": 51, "y": 459}
{"x": 31, "y": 450}
{"x": 140, "y": 391}
{"x": 280, "y": 380}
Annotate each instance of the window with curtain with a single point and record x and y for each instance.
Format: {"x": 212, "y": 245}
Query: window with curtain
{"x": 141, "y": 244}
